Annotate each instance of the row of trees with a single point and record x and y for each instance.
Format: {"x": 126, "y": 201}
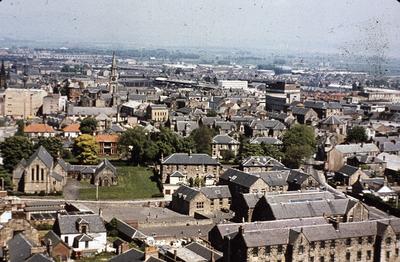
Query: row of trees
{"x": 140, "y": 147}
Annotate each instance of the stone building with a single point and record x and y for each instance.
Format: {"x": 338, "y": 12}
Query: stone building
{"x": 23, "y": 103}
{"x": 157, "y": 113}
{"x": 205, "y": 200}
{"x": 192, "y": 166}
{"x": 359, "y": 241}
{"x": 103, "y": 174}
{"x": 107, "y": 144}
{"x": 338, "y": 155}
{"x": 40, "y": 173}
{"x": 224, "y": 143}
{"x": 259, "y": 164}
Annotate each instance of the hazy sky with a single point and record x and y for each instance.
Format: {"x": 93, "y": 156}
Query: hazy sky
{"x": 300, "y": 25}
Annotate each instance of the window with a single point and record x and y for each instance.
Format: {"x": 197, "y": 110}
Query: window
{"x": 84, "y": 229}
{"x": 280, "y": 249}
{"x": 348, "y": 241}
{"x": 255, "y": 252}
{"x": 33, "y": 174}
{"x": 66, "y": 240}
{"x": 332, "y": 258}
{"x": 267, "y": 250}
{"x": 301, "y": 249}
{"x": 398, "y": 237}
{"x": 370, "y": 240}
{"x": 348, "y": 256}
{"x": 397, "y": 252}
{"x": 369, "y": 254}
{"x": 388, "y": 241}
{"x": 333, "y": 243}
{"x": 42, "y": 174}
{"x": 387, "y": 254}
{"x": 359, "y": 255}
{"x": 37, "y": 172}
{"x": 311, "y": 259}
{"x": 86, "y": 244}
{"x": 322, "y": 244}
{"x": 200, "y": 205}
{"x": 321, "y": 259}
{"x": 312, "y": 245}
{"x": 360, "y": 240}
{"x": 221, "y": 202}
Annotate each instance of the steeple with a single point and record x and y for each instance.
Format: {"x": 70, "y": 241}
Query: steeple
{"x": 3, "y": 76}
{"x": 113, "y": 85}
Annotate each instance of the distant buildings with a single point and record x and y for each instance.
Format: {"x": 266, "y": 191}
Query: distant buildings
{"x": 22, "y": 103}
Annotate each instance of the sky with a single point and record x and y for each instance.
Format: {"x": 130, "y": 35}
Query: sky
{"x": 353, "y": 26}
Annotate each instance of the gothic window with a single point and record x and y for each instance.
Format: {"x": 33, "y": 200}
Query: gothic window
{"x": 42, "y": 174}
{"x": 33, "y": 174}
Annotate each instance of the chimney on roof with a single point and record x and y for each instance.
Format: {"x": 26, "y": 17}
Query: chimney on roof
{"x": 174, "y": 254}
{"x": 100, "y": 212}
{"x": 190, "y": 153}
{"x": 241, "y": 230}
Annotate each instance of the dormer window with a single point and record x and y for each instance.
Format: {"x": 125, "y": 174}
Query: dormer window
{"x": 82, "y": 226}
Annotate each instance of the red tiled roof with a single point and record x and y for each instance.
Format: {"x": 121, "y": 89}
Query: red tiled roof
{"x": 107, "y": 138}
{"x": 72, "y": 128}
{"x": 38, "y": 128}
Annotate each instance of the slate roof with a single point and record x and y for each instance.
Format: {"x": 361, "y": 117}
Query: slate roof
{"x": 357, "y": 148}
{"x": 105, "y": 164}
{"x": 132, "y": 255}
{"x": 91, "y": 111}
{"x": 300, "y": 110}
{"x": 189, "y": 159}
{"x": 203, "y": 251}
{"x": 43, "y": 155}
{"x": 310, "y": 208}
{"x": 278, "y": 236}
{"x": 225, "y": 125}
{"x": 129, "y": 231}
{"x": 177, "y": 174}
{"x": 239, "y": 177}
{"x": 390, "y": 147}
{"x": 39, "y": 258}
{"x": 66, "y": 224}
{"x": 186, "y": 193}
{"x": 274, "y": 178}
{"x": 267, "y": 125}
{"x": 216, "y": 192}
{"x": 225, "y": 140}
{"x": 20, "y": 248}
{"x": 251, "y": 199}
{"x": 266, "y": 140}
{"x": 260, "y": 161}
{"x": 297, "y": 197}
{"x": 332, "y": 120}
{"x": 54, "y": 238}
{"x": 186, "y": 125}
{"x": 348, "y": 170}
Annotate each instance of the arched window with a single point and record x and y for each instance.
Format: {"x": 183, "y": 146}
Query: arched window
{"x": 33, "y": 174}
{"x": 42, "y": 174}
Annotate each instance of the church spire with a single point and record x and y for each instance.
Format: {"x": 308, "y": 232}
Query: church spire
{"x": 113, "y": 75}
{"x": 3, "y": 76}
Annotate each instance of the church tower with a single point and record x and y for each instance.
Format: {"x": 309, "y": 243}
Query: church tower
{"x": 113, "y": 76}
{"x": 3, "y": 76}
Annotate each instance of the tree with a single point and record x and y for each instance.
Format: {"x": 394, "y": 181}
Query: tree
{"x": 272, "y": 151}
{"x": 88, "y": 125}
{"x": 248, "y": 149}
{"x": 20, "y": 128}
{"x": 298, "y": 144}
{"x": 13, "y": 149}
{"x": 85, "y": 149}
{"x": 52, "y": 144}
{"x": 357, "y": 134}
{"x": 132, "y": 144}
{"x": 202, "y": 138}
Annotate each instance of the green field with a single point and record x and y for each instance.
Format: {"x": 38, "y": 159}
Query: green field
{"x": 133, "y": 183}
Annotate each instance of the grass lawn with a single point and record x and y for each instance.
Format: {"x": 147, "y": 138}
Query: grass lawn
{"x": 133, "y": 183}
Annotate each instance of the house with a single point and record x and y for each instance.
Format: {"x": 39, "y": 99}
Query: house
{"x": 324, "y": 109}
{"x": 205, "y": 200}
{"x": 338, "y": 155}
{"x": 157, "y": 113}
{"x": 56, "y": 247}
{"x": 37, "y": 130}
{"x": 270, "y": 128}
{"x": 40, "y": 173}
{"x": 223, "y": 145}
{"x": 85, "y": 234}
{"x": 266, "y": 140}
{"x": 103, "y": 174}
{"x": 304, "y": 115}
{"x": 192, "y": 166}
{"x": 193, "y": 252}
{"x": 334, "y": 125}
{"x": 348, "y": 175}
{"x": 134, "y": 255}
{"x": 358, "y": 241}
{"x": 72, "y": 131}
{"x": 108, "y": 144}
{"x": 22, "y": 248}
{"x": 372, "y": 164}
{"x": 254, "y": 164}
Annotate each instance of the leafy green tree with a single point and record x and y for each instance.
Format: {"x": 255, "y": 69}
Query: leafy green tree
{"x": 88, "y": 125}
{"x": 52, "y": 144}
{"x": 298, "y": 144}
{"x": 132, "y": 144}
{"x": 13, "y": 149}
{"x": 198, "y": 182}
{"x": 85, "y": 149}
{"x": 357, "y": 134}
{"x": 20, "y": 128}
{"x": 202, "y": 138}
{"x": 272, "y": 151}
{"x": 248, "y": 149}
{"x": 227, "y": 155}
